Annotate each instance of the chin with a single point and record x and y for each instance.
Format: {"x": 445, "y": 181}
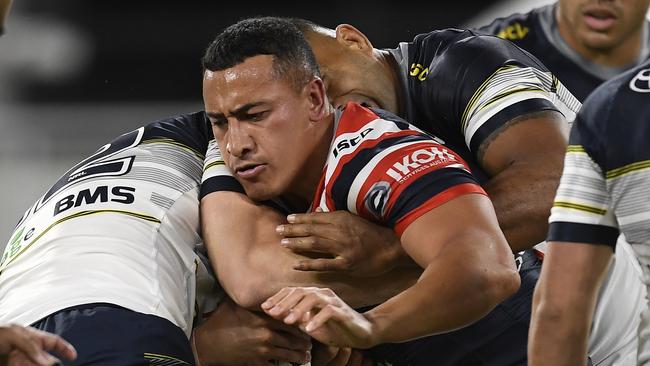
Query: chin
{"x": 259, "y": 194}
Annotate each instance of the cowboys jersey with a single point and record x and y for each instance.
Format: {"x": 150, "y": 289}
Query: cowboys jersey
{"x": 604, "y": 188}
{"x": 120, "y": 227}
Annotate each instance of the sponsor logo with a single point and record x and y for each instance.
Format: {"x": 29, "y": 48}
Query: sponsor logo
{"x": 351, "y": 142}
{"x": 419, "y": 71}
{"x": 514, "y": 32}
{"x": 119, "y": 194}
{"x": 376, "y": 198}
{"x": 641, "y": 82}
{"x": 418, "y": 161}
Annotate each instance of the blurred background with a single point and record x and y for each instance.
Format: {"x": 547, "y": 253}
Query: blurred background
{"x": 74, "y": 74}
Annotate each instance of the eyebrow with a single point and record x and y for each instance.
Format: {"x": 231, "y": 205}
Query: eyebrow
{"x": 235, "y": 112}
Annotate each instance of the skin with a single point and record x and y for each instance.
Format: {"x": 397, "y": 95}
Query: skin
{"x": 259, "y": 338}
{"x": 26, "y": 346}
{"x": 564, "y": 302}
{"x": 246, "y": 105}
{"x": 607, "y": 32}
{"x": 524, "y": 159}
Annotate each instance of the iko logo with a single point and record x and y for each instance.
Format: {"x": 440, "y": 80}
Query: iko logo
{"x": 376, "y": 198}
{"x": 417, "y": 159}
{"x": 348, "y": 143}
{"x": 641, "y": 82}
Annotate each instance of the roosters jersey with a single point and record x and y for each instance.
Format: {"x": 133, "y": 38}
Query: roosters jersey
{"x": 120, "y": 227}
{"x": 383, "y": 169}
{"x": 604, "y": 190}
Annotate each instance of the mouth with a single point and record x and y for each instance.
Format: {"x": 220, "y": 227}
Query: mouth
{"x": 599, "y": 19}
{"x": 248, "y": 171}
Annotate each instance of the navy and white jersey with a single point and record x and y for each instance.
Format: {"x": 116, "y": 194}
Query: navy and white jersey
{"x": 537, "y": 33}
{"x": 605, "y": 186}
{"x": 120, "y": 227}
{"x": 463, "y": 86}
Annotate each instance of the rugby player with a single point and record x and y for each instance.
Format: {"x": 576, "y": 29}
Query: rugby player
{"x": 503, "y": 119}
{"x": 109, "y": 258}
{"x": 603, "y": 193}
{"x": 489, "y": 341}
{"x": 584, "y": 43}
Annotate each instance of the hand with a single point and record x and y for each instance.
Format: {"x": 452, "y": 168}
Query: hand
{"x": 233, "y": 335}
{"x": 26, "y": 346}
{"x": 342, "y": 242}
{"x": 322, "y": 315}
{"x": 322, "y": 355}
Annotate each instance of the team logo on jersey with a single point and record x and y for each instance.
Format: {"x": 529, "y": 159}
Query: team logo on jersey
{"x": 376, "y": 198}
{"x": 419, "y": 160}
{"x": 641, "y": 82}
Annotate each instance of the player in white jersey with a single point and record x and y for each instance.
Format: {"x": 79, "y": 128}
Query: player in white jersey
{"x": 106, "y": 257}
{"x": 604, "y": 192}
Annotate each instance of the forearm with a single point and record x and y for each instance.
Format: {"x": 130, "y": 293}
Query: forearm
{"x": 473, "y": 288}
{"x": 558, "y": 336}
{"x": 522, "y": 196}
{"x": 252, "y": 265}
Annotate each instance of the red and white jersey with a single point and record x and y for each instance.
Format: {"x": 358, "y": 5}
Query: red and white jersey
{"x": 386, "y": 170}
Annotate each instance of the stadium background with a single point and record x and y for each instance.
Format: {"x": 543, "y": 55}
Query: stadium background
{"x": 76, "y": 73}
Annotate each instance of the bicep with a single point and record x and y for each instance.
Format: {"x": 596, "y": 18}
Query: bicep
{"x": 539, "y": 137}
{"x": 466, "y": 224}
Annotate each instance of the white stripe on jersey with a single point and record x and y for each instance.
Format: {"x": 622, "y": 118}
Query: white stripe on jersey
{"x": 582, "y": 195}
{"x": 510, "y": 85}
{"x": 214, "y": 164}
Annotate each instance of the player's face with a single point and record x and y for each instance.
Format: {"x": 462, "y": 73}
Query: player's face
{"x": 602, "y": 25}
{"x": 353, "y": 76}
{"x": 261, "y": 124}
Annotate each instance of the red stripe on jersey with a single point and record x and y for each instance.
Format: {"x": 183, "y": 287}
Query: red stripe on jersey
{"x": 420, "y": 159}
{"x": 437, "y": 200}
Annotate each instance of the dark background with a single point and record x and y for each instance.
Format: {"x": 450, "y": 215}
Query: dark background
{"x": 151, "y": 50}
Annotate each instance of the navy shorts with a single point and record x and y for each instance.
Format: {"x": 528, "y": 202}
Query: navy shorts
{"x": 109, "y": 335}
{"x": 498, "y": 339}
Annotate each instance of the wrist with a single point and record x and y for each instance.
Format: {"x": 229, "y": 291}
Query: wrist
{"x": 376, "y": 329}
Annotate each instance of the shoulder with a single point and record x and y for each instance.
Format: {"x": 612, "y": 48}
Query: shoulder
{"x": 515, "y": 27}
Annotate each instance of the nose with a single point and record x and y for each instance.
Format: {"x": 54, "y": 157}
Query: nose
{"x": 239, "y": 142}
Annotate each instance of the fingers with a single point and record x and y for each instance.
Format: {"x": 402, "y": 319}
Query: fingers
{"x": 328, "y": 313}
{"x": 53, "y": 343}
{"x": 318, "y": 217}
{"x": 338, "y": 264}
{"x": 21, "y": 339}
{"x": 310, "y": 244}
{"x": 294, "y": 304}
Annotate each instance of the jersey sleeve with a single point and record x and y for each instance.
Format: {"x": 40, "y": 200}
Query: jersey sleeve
{"x": 480, "y": 82}
{"x": 581, "y": 210}
{"x": 216, "y": 175}
{"x": 395, "y": 174}
{"x": 604, "y": 188}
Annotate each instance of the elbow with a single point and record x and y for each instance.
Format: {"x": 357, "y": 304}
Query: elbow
{"x": 500, "y": 284}
{"x": 248, "y": 293}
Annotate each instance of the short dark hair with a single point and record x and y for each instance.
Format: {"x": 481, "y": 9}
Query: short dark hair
{"x": 276, "y": 36}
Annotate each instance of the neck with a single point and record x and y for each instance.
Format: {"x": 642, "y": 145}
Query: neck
{"x": 305, "y": 188}
{"x": 395, "y": 94}
{"x": 622, "y": 54}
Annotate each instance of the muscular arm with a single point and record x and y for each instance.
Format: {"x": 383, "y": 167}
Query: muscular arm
{"x": 564, "y": 302}
{"x": 525, "y": 160}
{"x": 251, "y": 265}
{"x": 470, "y": 267}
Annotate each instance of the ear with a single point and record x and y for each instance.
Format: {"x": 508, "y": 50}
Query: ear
{"x": 319, "y": 104}
{"x": 353, "y": 38}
